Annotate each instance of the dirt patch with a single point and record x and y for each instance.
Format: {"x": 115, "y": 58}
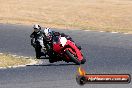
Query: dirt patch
{"x": 106, "y": 15}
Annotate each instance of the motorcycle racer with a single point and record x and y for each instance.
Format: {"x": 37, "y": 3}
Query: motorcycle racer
{"x": 56, "y": 52}
{"x": 37, "y": 40}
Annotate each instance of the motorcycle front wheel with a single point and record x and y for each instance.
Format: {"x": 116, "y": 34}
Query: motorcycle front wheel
{"x": 72, "y": 57}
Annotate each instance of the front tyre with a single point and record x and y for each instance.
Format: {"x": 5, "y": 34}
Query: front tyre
{"x": 72, "y": 57}
{"x": 83, "y": 61}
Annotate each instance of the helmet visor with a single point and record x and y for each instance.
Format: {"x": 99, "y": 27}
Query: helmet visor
{"x": 36, "y": 30}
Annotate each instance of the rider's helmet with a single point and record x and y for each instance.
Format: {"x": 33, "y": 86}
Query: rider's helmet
{"x": 48, "y": 34}
{"x": 36, "y": 27}
{"x": 62, "y": 35}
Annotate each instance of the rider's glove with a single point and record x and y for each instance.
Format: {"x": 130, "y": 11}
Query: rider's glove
{"x": 44, "y": 48}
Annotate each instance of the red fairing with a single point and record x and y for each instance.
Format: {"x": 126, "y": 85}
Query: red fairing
{"x": 71, "y": 47}
{"x": 74, "y": 50}
{"x": 57, "y": 48}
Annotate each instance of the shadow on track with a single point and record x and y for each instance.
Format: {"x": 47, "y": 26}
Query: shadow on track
{"x": 52, "y": 65}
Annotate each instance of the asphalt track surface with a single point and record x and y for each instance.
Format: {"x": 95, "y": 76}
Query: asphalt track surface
{"x": 105, "y": 53}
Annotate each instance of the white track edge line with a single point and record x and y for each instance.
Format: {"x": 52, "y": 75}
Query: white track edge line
{"x": 110, "y": 32}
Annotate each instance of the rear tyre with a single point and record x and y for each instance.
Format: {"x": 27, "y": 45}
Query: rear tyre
{"x": 72, "y": 57}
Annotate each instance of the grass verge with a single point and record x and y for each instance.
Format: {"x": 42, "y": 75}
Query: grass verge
{"x": 100, "y": 15}
{"x": 7, "y": 61}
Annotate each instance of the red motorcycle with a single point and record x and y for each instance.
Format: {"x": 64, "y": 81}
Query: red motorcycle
{"x": 67, "y": 50}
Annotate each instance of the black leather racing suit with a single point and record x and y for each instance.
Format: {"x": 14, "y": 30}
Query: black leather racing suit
{"x": 37, "y": 42}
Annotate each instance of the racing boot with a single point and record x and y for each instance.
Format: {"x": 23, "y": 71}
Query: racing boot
{"x": 51, "y": 60}
{"x": 78, "y": 46}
